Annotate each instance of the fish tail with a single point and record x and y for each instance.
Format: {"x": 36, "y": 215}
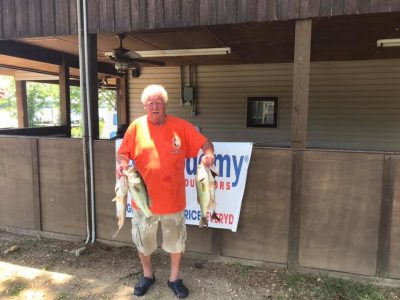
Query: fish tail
{"x": 203, "y": 222}
{"x": 215, "y": 217}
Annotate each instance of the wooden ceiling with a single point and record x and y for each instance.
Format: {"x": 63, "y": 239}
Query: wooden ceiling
{"x": 335, "y": 38}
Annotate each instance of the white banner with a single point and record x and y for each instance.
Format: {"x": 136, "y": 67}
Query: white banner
{"x": 232, "y": 161}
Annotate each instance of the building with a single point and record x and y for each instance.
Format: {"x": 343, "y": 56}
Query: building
{"x": 323, "y": 185}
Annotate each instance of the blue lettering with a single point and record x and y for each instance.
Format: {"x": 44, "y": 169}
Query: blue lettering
{"x": 223, "y": 163}
{"x": 191, "y": 170}
{"x": 192, "y": 214}
{"x": 129, "y": 208}
{"x": 220, "y": 159}
{"x": 237, "y": 168}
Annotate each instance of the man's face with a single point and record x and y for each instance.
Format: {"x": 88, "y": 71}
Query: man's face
{"x": 155, "y": 108}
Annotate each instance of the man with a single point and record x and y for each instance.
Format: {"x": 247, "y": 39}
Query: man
{"x": 158, "y": 144}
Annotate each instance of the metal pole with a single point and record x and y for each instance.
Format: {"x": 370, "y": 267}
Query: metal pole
{"x": 89, "y": 118}
{"x": 83, "y": 88}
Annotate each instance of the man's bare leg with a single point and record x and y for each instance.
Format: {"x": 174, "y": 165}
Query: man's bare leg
{"x": 175, "y": 266}
{"x": 146, "y": 265}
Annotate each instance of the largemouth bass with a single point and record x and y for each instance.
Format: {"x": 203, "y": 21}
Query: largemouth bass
{"x": 138, "y": 191}
{"x": 121, "y": 193}
{"x": 205, "y": 186}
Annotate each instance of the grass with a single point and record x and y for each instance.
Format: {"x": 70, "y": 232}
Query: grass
{"x": 298, "y": 286}
{"x": 243, "y": 270}
{"x": 16, "y": 288}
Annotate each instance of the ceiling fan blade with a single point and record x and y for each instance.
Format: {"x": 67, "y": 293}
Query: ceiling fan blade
{"x": 149, "y": 61}
{"x": 130, "y": 55}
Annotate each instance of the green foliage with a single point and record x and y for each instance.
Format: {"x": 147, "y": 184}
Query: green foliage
{"x": 9, "y": 101}
{"x": 75, "y": 98}
{"x": 107, "y": 98}
{"x": 40, "y": 96}
{"x": 300, "y": 286}
{"x": 16, "y": 287}
{"x": 76, "y": 131}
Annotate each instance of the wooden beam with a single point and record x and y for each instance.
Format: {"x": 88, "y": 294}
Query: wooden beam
{"x": 37, "y": 131}
{"x": 65, "y": 103}
{"x": 301, "y": 79}
{"x": 36, "y": 53}
{"x": 37, "y": 211}
{"x": 385, "y": 226}
{"x": 22, "y": 105}
{"x": 122, "y": 100}
{"x": 295, "y": 210}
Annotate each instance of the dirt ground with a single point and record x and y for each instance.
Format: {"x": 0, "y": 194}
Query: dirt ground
{"x": 43, "y": 268}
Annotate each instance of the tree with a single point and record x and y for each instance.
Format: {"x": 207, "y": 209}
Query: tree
{"x": 40, "y": 96}
{"x": 107, "y": 98}
{"x": 8, "y": 99}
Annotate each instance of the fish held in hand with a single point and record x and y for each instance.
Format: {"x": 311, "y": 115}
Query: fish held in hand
{"x": 138, "y": 191}
{"x": 121, "y": 192}
{"x": 205, "y": 186}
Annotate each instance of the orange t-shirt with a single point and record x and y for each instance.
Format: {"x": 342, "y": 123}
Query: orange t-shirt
{"x": 159, "y": 154}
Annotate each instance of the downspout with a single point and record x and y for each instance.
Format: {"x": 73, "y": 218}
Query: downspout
{"x": 89, "y": 118}
{"x": 83, "y": 90}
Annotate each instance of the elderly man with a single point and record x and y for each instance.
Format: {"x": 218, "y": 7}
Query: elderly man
{"x": 159, "y": 144}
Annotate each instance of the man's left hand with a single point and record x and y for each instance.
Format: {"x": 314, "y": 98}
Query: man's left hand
{"x": 207, "y": 160}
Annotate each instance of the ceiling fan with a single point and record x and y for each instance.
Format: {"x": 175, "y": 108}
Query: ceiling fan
{"x": 125, "y": 59}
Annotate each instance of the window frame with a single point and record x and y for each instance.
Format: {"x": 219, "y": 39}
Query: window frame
{"x": 250, "y": 100}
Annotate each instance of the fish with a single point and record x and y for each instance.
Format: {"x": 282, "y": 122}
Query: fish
{"x": 121, "y": 193}
{"x": 205, "y": 187}
{"x": 138, "y": 191}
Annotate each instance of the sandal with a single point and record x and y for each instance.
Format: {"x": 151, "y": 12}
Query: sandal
{"x": 143, "y": 285}
{"x": 178, "y": 288}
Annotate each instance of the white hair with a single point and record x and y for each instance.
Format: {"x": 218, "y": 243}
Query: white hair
{"x": 154, "y": 89}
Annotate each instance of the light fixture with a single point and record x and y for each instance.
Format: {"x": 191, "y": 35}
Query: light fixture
{"x": 185, "y": 52}
{"x": 388, "y": 43}
{"x": 121, "y": 66}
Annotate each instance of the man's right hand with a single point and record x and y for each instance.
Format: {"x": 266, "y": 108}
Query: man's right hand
{"x": 122, "y": 165}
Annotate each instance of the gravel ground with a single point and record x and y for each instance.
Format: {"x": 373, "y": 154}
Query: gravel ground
{"x": 39, "y": 268}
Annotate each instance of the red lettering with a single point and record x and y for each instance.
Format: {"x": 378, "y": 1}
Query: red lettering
{"x": 230, "y": 219}
{"x": 186, "y": 182}
{"x": 221, "y": 185}
{"x": 228, "y": 185}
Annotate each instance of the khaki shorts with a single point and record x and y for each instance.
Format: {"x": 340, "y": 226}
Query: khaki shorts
{"x": 144, "y": 232}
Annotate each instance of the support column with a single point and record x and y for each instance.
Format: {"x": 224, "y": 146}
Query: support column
{"x": 65, "y": 101}
{"x": 301, "y": 79}
{"x": 22, "y": 104}
{"x": 385, "y": 226}
{"x": 122, "y": 98}
{"x": 93, "y": 85}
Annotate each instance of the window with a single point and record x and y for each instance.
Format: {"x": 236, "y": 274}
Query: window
{"x": 43, "y": 104}
{"x": 262, "y": 112}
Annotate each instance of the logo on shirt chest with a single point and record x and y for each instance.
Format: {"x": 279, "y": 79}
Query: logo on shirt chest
{"x": 176, "y": 144}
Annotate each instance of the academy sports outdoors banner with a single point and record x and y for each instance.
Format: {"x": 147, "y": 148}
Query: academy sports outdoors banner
{"x": 232, "y": 161}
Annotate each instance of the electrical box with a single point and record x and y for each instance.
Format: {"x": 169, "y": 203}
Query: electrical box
{"x": 188, "y": 95}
